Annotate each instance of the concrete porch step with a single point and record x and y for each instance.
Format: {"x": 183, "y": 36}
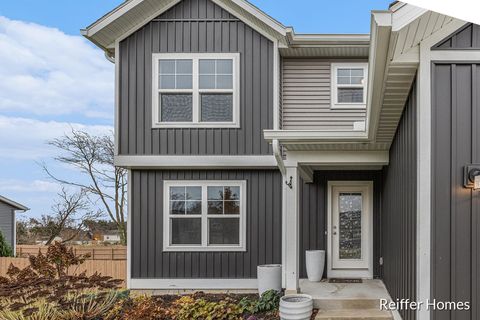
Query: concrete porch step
{"x": 354, "y": 314}
{"x": 342, "y": 304}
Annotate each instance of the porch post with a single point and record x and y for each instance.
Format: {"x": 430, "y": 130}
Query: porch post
{"x": 291, "y": 227}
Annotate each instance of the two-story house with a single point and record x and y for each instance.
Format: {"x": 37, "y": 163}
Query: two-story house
{"x": 247, "y": 144}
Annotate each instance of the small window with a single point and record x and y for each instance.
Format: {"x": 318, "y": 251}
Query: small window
{"x": 204, "y": 216}
{"x": 349, "y": 83}
{"x": 196, "y": 90}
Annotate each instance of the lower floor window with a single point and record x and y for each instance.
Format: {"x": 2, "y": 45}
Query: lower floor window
{"x": 204, "y": 215}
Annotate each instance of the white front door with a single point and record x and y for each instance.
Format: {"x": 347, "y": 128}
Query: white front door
{"x": 350, "y": 230}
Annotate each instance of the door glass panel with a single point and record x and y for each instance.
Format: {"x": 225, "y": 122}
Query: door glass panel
{"x": 350, "y": 226}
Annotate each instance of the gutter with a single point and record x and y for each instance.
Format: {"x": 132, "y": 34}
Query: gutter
{"x": 355, "y": 40}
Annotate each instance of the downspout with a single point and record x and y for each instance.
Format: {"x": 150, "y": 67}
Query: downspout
{"x": 277, "y": 152}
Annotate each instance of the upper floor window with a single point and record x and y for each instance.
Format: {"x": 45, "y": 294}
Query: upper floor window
{"x": 349, "y": 85}
{"x": 196, "y": 90}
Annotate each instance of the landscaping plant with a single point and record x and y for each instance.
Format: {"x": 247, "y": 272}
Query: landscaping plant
{"x": 5, "y": 248}
{"x": 49, "y": 288}
{"x": 47, "y": 278}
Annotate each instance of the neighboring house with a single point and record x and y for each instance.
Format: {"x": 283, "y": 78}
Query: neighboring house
{"x": 8, "y": 225}
{"x": 111, "y": 237}
{"x": 247, "y": 144}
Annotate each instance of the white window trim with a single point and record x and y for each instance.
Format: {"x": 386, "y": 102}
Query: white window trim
{"x": 195, "y": 57}
{"x": 334, "y": 99}
{"x": 204, "y": 247}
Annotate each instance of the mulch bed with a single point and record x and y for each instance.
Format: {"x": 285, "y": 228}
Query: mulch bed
{"x": 167, "y": 299}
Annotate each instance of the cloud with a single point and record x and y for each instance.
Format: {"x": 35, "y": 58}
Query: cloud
{"x": 23, "y": 138}
{"x": 47, "y": 72}
{"x": 14, "y": 185}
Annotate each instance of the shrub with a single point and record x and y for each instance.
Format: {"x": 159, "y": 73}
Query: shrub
{"x": 5, "y": 249}
{"x": 46, "y": 278}
{"x": 269, "y": 301}
{"x": 190, "y": 308}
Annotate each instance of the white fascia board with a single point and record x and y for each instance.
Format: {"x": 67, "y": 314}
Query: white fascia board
{"x": 195, "y": 162}
{"x": 15, "y": 205}
{"x": 314, "y": 136}
{"x": 265, "y": 18}
{"x": 327, "y": 39}
{"x": 194, "y": 284}
{"x": 338, "y": 158}
{"x": 406, "y": 15}
{"x": 117, "y": 13}
{"x": 110, "y": 17}
{"x": 381, "y": 27}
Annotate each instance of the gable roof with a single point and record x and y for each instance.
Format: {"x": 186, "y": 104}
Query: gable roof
{"x": 13, "y": 204}
{"x": 134, "y": 14}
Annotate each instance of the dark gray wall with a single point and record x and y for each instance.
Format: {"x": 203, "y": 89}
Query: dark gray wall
{"x": 467, "y": 37}
{"x": 195, "y": 26}
{"x": 264, "y": 227}
{"x": 7, "y": 223}
{"x": 399, "y": 210}
{"x": 455, "y": 210}
{"x": 313, "y": 212}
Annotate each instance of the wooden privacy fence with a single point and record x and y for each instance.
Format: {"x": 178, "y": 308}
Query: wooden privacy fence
{"x": 116, "y": 269}
{"x": 96, "y": 253}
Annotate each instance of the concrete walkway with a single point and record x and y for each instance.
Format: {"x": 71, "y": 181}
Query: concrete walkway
{"x": 347, "y": 300}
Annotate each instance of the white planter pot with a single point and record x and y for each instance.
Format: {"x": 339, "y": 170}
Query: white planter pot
{"x": 269, "y": 277}
{"x": 296, "y": 307}
{"x": 315, "y": 262}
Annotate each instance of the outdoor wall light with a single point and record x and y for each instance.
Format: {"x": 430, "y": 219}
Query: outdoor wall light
{"x": 472, "y": 177}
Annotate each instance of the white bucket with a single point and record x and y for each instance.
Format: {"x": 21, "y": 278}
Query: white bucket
{"x": 315, "y": 262}
{"x": 269, "y": 277}
{"x": 296, "y": 307}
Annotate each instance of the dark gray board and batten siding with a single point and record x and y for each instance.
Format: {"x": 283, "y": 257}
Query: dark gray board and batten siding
{"x": 195, "y": 26}
{"x": 399, "y": 210}
{"x": 313, "y": 212}
{"x": 264, "y": 227}
{"x": 467, "y": 37}
{"x": 455, "y": 209}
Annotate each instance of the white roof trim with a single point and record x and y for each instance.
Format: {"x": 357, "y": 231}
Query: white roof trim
{"x": 265, "y": 18}
{"x": 14, "y": 204}
{"x": 229, "y": 5}
{"x": 328, "y": 39}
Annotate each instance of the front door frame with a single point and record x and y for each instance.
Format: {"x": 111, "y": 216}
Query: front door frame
{"x": 350, "y": 273}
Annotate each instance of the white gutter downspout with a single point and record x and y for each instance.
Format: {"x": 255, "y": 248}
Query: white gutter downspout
{"x": 277, "y": 152}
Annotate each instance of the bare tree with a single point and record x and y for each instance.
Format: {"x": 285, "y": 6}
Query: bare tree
{"x": 93, "y": 156}
{"x": 69, "y": 212}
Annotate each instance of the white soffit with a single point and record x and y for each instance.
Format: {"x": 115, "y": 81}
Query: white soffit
{"x": 389, "y": 89}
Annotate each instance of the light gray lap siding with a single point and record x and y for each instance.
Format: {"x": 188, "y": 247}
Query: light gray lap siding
{"x": 195, "y": 26}
{"x": 264, "y": 227}
{"x": 306, "y": 97}
{"x": 7, "y": 222}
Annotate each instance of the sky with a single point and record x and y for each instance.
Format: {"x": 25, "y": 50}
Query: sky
{"x": 52, "y": 79}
